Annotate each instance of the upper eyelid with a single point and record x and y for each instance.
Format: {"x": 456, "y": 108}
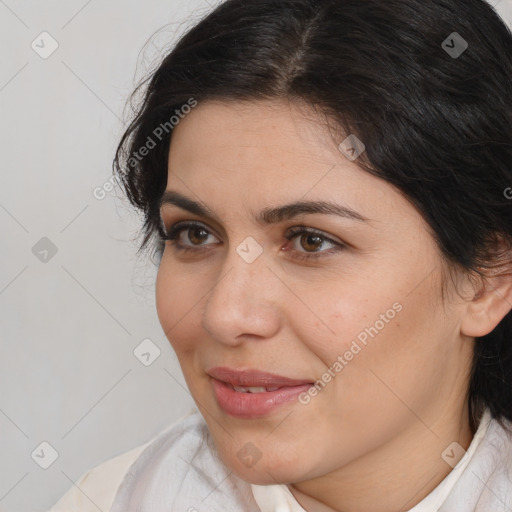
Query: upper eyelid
{"x": 183, "y": 225}
{"x": 301, "y": 228}
{"x": 183, "y": 222}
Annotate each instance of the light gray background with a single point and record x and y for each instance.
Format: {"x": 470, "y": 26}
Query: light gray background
{"x": 70, "y": 325}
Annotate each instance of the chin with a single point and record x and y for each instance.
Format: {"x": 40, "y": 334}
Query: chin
{"x": 265, "y": 472}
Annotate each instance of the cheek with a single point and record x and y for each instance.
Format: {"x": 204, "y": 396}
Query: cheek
{"x": 386, "y": 353}
{"x": 177, "y": 306}
{"x": 365, "y": 331}
{"x": 346, "y": 320}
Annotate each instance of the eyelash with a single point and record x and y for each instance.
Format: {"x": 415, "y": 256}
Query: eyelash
{"x": 175, "y": 231}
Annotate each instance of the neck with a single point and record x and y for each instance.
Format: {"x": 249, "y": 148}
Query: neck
{"x": 394, "y": 477}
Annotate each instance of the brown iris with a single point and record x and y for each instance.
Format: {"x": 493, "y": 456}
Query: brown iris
{"x": 197, "y": 235}
{"x": 311, "y": 242}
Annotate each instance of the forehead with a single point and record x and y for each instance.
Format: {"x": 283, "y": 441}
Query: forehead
{"x": 257, "y": 153}
{"x": 273, "y": 140}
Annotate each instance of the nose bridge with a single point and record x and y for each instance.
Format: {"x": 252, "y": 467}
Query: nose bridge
{"x": 246, "y": 267}
{"x": 243, "y": 299}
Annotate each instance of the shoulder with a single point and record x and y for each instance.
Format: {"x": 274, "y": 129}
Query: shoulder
{"x": 96, "y": 488}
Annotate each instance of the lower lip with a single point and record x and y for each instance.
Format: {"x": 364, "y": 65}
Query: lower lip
{"x": 253, "y": 405}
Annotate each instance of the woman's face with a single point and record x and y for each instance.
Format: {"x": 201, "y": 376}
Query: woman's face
{"x": 358, "y": 300}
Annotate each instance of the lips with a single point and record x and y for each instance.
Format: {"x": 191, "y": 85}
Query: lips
{"x": 252, "y": 394}
{"x": 254, "y": 378}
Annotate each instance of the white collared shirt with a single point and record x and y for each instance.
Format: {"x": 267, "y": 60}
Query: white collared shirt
{"x": 179, "y": 470}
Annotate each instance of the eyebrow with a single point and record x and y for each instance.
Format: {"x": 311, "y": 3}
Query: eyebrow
{"x": 269, "y": 215}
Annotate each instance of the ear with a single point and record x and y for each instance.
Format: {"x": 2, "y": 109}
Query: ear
{"x": 490, "y": 303}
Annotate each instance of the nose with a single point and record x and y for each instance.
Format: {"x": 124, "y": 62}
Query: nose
{"x": 244, "y": 303}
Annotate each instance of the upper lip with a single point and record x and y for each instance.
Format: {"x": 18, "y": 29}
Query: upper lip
{"x": 250, "y": 378}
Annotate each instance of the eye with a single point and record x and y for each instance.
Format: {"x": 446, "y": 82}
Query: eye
{"x": 307, "y": 243}
{"x": 310, "y": 243}
{"x": 187, "y": 235}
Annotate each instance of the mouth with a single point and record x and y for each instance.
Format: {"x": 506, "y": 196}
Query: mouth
{"x": 253, "y": 389}
{"x": 250, "y": 394}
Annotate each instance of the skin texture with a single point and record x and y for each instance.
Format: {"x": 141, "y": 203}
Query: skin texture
{"x": 372, "y": 439}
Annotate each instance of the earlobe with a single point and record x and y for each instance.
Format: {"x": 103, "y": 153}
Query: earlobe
{"x": 489, "y": 305}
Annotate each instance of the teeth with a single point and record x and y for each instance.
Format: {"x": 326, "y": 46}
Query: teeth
{"x": 253, "y": 389}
